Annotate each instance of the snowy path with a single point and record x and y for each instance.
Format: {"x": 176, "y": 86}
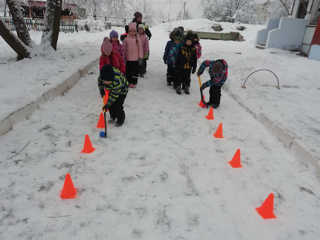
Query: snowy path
{"x": 162, "y": 175}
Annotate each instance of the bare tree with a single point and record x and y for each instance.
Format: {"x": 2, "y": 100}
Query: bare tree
{"x": 21, "y": 42}
{"x": 229, "y": 10}
{"x": 15, "y": 43}
{"x": 18, "y": 20}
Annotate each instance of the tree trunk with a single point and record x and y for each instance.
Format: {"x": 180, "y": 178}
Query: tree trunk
{"x": 56, "y": 24}
{"x": 13, "y": 41}
{"x": 48, "y": 23}
{"x": 19, "y": 22}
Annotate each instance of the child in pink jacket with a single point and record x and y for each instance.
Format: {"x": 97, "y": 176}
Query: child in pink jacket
{"x": 133, "y": 53}
{"x": 145, "y": 46}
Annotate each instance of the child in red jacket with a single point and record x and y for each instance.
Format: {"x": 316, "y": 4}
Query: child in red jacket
{"x": 110, "y": 55}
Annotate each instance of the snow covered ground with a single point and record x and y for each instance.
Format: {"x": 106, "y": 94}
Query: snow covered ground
{"x": 162, "y": 175}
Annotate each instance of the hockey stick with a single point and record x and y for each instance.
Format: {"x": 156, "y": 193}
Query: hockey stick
{"x": 105, "y": 119}
{"x": 201, "y": 93}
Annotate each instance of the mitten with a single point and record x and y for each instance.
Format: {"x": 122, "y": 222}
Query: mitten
{"x": 165, "y": 61}
{"x": 198, "y": 74}
{"x": 140, "y": 61}
{"x": 193, "y": 70}
{"x": 105, "y": 108}
{"x": 146, "y": 56}
{"x": 202, "y": 87}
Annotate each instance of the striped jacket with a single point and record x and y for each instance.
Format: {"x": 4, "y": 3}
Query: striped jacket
{"x": 215, "y": 79}
{"x": 117, "y": 87}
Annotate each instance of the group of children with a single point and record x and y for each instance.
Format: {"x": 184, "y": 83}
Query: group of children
{"x": 181, "y": 55}
{"x": 121, "y": 64}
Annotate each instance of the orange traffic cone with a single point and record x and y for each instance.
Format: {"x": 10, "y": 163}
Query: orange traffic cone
{"x": 218, "y": 133}
{"x": 101, "y": 123}
{"x": 235, "y": 162}
{"x": 201, "y": 104}
{"x": 266, "y": 209}
{"x": 210, "y": 114}
{"x": 68, "y": 191}
{"x": 87, "y": 148}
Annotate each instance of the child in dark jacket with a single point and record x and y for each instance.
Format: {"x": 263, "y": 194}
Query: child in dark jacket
{"x": 172, "y": 58}
{"x": 218, "y": 71}
{"x": 166, "y": 58}
{"x": 186, "y": 63}
{"x": 113, "y": 81}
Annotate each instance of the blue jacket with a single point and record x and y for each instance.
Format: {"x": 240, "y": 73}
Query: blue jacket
{"x": 173, "y": 53}
{"x": 215, "y": 79}
{"x": 167, "y": 50}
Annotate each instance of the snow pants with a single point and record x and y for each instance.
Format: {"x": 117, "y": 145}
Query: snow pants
{"x": 132, "y": 71}
{"x": 116, "y": 109}
{"x": 215, "y": 94}
{"x": 170, "y": 73}
{"x": 185, "y": 77}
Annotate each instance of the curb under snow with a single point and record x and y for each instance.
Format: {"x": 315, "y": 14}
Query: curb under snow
{"x": 282, "y": 135}
{"x": 24, "y": 112}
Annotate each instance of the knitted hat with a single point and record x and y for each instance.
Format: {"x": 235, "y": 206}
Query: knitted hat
{"x": 137, "y": 15}
{"x": 178, "y": 36}
{"x": 113, "y": 34}
{"x": 217, "y": 67}
{"x": 106, "y": 46}
{"x": 107, "y": 73}
{"x": 195, "y": 35}
{"x": 133, "y": 25}
{"x": 142, "y": 26}
{"x": 189, "y": 36}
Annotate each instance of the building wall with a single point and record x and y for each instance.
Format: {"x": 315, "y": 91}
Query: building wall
{"x": 289, "y": 35}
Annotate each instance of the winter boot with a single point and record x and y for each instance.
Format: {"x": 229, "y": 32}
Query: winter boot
{"x": 111, "y": 120}
{"x": 186, "y": 90}
{"x": 178, "y": 91}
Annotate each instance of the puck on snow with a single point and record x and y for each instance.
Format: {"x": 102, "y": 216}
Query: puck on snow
{"x": 102, "y": 134}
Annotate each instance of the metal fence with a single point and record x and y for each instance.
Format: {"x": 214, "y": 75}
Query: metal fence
{"x": 38, "y": 23}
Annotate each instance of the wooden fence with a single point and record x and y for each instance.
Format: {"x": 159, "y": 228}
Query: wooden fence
{"x": 37, "y": 24}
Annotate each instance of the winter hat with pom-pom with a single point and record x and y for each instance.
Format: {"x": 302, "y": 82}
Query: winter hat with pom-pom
{"x": 106, "y": 46}
{"x": 133, "y": 25}
{"x": 107, "y": 73}
{"x": 113, "y": 34}
{"x": 142, "y": 26}
{"x": 189, "y": 36}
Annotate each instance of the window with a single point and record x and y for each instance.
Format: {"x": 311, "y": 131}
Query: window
{"x": 315, "y": 14}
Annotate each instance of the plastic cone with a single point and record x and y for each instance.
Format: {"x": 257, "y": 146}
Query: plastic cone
{"x": 68, "y": 191}
{"x": 101, "y": 123}
{"x": 218, "y": 133}
{"x": 235, "y": 162}
{"x": 266, "y": 209}
{"x": 87, "y": 148}
{"x": 210, "y": 114}
{"x": 201, "y": 104}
